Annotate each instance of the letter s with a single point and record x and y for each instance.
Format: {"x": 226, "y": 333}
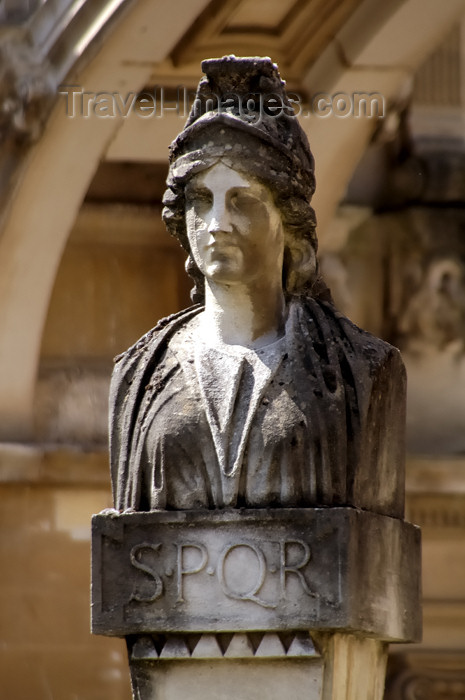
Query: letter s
{"x": 137, "y": 564}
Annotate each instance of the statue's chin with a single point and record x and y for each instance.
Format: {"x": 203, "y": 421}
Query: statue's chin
{"x": 225, "y": 268}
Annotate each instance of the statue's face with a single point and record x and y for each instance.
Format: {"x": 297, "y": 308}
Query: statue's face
{"x": 234, "y": 229}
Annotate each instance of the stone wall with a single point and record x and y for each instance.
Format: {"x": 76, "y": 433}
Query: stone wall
{"x": 119, "y": 274}
{"x": 47, "y": 649}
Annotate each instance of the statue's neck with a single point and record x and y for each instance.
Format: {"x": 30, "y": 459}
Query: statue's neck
{"x": 249, "y": 315}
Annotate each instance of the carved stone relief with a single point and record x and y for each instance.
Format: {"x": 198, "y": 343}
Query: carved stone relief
{"x": 403, "y": 276}
{"x": 26, "y": 89}
{"x": 239, "y": 645}
{"x": 287, "y": 569}
{"x": 427, "y": 684}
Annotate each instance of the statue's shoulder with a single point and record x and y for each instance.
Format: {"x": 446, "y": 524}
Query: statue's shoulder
{"x": 334, "y": 326}
{"x": 158, "y": 335}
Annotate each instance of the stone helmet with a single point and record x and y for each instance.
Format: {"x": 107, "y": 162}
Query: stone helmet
{"x": 242, "y": 115}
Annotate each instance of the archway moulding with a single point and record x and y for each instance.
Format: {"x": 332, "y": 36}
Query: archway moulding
{"x": 42, "y": 211}
{"x": 379, "y": 58}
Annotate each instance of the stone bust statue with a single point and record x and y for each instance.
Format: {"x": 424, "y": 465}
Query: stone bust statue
{"x": 261, "y": 394}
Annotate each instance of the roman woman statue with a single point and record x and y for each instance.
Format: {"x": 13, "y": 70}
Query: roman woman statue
{"x": 261, "y": 394}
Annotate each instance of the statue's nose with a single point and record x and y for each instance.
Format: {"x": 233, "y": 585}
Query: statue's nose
{"x": 220, "y": 220}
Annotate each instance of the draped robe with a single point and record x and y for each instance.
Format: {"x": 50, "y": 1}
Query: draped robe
{"x": 317, "y": 421}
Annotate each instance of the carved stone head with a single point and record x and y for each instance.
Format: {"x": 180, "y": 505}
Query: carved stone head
{"x": 243, "y": 118}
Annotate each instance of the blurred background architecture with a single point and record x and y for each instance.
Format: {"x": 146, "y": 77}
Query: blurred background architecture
{"x": 91, "y": 94}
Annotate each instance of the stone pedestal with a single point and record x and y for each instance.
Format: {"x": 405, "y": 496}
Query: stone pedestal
{"x": 249, "y": 604}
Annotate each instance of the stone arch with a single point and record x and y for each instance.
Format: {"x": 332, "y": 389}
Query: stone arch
{"x": 38, "y": 223}
{"x": 360, "y": 57}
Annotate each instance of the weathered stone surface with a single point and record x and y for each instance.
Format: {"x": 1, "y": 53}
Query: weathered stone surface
{"x": 226, "y": 666}
{"x": 26, "y": 89}
{"x": 239, "y": 646}
{"x": 301, "y": 645}
{"x": 397, "y": 261}
{"x": 234, "y": 679}
{"x": 354, "y": 668}
{"x": 207, "y": 648}
{"x": 228, "y": 645}
{"x": 266, "y": 395}
{"x": 256, "y": 446}
{"x": 283, "y": 569}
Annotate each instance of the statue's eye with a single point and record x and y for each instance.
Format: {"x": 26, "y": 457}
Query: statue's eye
{"x": 243, "y": 201}
{"x": 200, "y": 198}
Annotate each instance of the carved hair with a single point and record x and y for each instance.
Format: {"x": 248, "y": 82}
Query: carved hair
{"x": 270, "y": 167}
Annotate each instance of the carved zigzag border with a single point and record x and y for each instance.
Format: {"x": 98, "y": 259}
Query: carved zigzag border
{"x": 222, "y": 646}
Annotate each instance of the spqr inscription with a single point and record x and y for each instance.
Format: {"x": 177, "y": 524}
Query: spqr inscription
{"x": 136, "y": 556}
{"x": 241, "y": 569}
{"x": 278, "y": 570}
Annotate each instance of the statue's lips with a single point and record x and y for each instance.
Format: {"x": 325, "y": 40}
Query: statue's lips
{"x": 222, "y": 242}
{"x": 223, "y": 251}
